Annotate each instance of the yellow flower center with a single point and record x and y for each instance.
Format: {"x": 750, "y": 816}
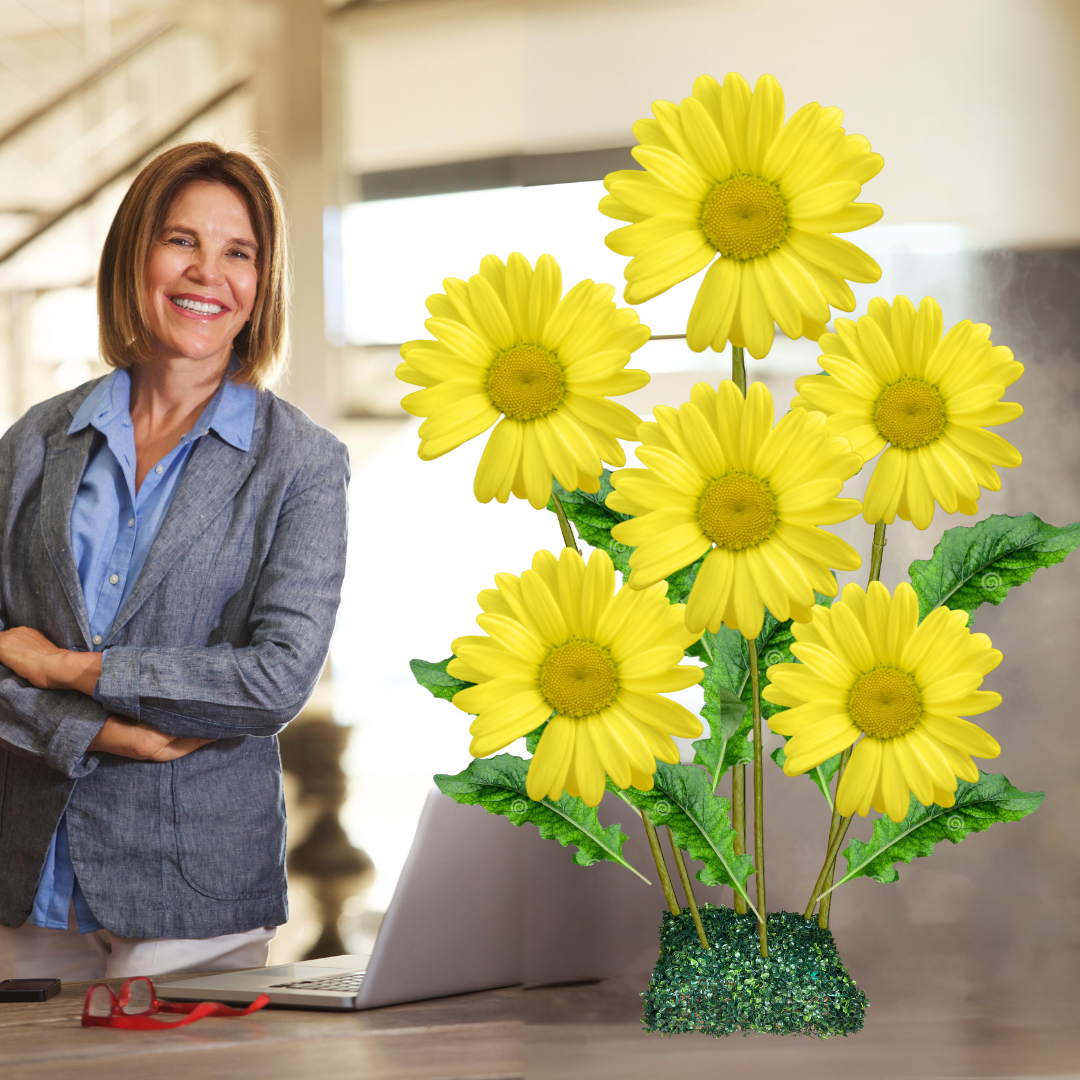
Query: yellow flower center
{"x": 526, "y": 382}
{"x": 910, "y": 413}
{"x": 885, "y": 702}
{"x": 579, "y": 678}
{"x": 737, "y": 511}
{"x": 744, "y": 217}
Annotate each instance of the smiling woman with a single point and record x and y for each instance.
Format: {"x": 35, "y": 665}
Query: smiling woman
{"x": 172, "y": 544}
{"x": 217, "y": 259}
{"x": 199, "y": 217}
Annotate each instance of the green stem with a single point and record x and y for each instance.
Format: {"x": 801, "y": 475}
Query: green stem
{"x": 738, "y": 773}
{"x": 825, "y": 880}
{"x": 705, "y": 645}
{"x": 830, "y": 859}
{"x": 564, "y": 524}
{"x": 759, "y": 802}
{"x": 826, "y": 902}
{"x": 661, "y": 866}
{"x": 738, "y": 369}
{"x": 684, "y": 877}
{"x": 738, "y": 821}
{"x": 877, "y": 551}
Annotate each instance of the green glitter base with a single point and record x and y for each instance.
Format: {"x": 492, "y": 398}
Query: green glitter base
{"x": 803, "y": 987}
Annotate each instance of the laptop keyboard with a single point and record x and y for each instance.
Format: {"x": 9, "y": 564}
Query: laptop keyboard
{"x": 349, "y": 983}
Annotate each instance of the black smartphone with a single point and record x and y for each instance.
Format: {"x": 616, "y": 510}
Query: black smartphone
{"x": 28, "y": 989}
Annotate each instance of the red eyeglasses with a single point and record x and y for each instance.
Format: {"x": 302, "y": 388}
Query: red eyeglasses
{"x": 137, "y": 1004}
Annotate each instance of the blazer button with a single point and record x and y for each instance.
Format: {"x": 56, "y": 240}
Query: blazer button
{"x": 96, "y": 639}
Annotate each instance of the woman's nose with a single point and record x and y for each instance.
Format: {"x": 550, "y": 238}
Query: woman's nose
{"x": 207, "y": 269}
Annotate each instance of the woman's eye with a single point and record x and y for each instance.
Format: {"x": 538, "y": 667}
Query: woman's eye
{"x": 179, "y": 240}
{"x": 241, "y": 254}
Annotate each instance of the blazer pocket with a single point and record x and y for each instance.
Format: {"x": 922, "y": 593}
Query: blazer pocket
{"x": 229, "y": 814}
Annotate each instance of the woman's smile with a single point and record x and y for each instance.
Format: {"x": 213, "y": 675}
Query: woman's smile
{"x": 199, "y": 307}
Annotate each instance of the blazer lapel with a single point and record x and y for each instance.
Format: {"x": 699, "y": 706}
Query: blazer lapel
{"x": 65, "y": 462}
{"x": 214, "y": 474}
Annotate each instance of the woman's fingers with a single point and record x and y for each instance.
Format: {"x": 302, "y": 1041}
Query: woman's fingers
{"x": 178, "y": 748}
{"x": 140, "y": 742}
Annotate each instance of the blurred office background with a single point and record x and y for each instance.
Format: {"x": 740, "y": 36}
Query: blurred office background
{"x": 413, "y": 137}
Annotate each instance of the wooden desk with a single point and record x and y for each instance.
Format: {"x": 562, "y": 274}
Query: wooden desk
{"x": 587, "y": 1032}
{"x": 475, "y": 1035}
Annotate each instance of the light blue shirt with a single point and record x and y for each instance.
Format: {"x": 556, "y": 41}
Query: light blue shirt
{"x": 113, "y": 527}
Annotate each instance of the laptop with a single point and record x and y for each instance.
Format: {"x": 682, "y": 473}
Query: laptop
{"x": 452, "y": 926}
{"x": 480, "y": 904}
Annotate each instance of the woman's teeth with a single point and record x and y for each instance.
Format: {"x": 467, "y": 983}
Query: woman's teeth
{"x": 195, "y": 305}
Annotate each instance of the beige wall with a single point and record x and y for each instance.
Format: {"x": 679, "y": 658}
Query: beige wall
{"x": 434, "y": 81}
{"x": 974, "y": 103}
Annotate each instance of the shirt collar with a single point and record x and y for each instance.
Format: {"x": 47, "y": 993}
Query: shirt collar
{"x": 230, "y": 412}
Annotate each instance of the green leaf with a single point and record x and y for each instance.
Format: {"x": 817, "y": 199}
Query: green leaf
{"x": 593, "y": 521}
{"x": 727, "y": 652}
{"x": 498, "y": 785}
{"x": 774, "y": 647}
{"x": 682, "y": 581}
{"x": 730, "y": 721}
{"x": 978, "y": 806}
{"x": 434, "y": 677}
{"x": 821, "y": 775}
{"x": 532, "y": 740}
{"x": 979, "y": 564}
{"x": 700, "y": 821}
{"x": 727, "y": 681}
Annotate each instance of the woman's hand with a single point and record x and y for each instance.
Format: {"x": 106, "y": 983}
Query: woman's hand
{"x": 126, "y": 738}
{"x": 33, "y": 657}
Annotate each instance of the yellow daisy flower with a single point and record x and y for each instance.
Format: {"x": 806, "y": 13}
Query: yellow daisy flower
{"x": 562, "y": 648}
{"x": 893, "y": 381}
{"x": 872, "y": 672}
{"x": 508, "y": 347}
{"x": 725, "y": 176}
{"x": 721, "y": 479}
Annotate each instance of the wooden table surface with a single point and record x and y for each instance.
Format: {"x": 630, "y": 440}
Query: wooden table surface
{"x": 548, "y": 1034}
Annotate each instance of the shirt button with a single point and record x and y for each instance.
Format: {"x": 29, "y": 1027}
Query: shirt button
{"x": 131, "y": 523}
{"x": 125, "y": 423}
{"x": 96, "y": 639}
{"x": 160, "y": 469}
{"x": 114, "y": 579}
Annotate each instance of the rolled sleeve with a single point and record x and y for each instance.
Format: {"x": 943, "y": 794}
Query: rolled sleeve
{"x": 118, "y": 685}
{"x": 67, "y": 750}
{"x": 56, "y": 725}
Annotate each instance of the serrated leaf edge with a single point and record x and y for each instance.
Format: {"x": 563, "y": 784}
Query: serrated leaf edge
{"x": 615, "y": 856}
{"x": 983, "y": 566}
{"x": 853, "y": 872}
{"x": 708, "y": 839}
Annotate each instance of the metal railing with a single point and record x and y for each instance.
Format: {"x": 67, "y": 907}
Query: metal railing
{"x": 57, "y": 156}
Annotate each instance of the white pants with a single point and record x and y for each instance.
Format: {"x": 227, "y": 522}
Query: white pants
{"x": 33, "y": 953}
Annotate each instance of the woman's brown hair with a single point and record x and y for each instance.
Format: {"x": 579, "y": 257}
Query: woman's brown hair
{"x": 124, "y": 333}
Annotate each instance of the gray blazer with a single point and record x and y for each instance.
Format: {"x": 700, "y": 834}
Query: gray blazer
{"x": 222, "y": 637}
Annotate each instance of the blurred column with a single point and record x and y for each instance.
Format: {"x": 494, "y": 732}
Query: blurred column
{"x": 290, "y": 87}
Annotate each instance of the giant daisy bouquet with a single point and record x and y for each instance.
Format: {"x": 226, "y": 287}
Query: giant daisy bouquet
{"x": 721, "y": 538}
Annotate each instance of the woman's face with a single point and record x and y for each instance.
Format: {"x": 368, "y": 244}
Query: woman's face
{"x": 201, "y": 275}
